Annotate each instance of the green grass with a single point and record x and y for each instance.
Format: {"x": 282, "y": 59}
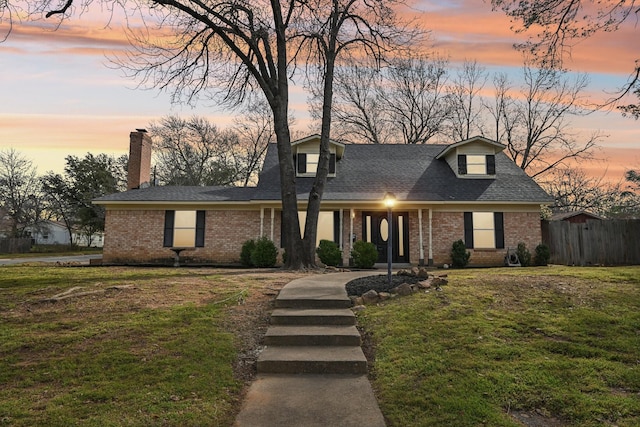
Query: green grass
{"x": 154, "y": 353}
{"x": 561, "y": 342}
{"x": 51, "y": 250}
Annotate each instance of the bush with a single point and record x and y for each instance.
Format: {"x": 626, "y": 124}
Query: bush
{"x": 265, "y": 254}
{"x": 524, "y": 256}
{"x": 543, "y": 254}
{"x": 364, "y": 254}
{"x": 459, "y": 254}
{"x": 329, "y": 253}
{"x": 245, "y": 253}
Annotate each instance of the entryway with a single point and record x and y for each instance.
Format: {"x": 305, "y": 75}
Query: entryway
{"x": 375, "y": 229}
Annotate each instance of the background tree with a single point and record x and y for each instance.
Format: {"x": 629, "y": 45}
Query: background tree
{"x": 416, "y": 99}
{"x": 193, "y": 152}
{"x": 558, "y": 25}
{"x": 70, "y": 195}
{"x": 20, "y": 192}
{"x": 465, "y": 106}
{"x": 534, "y": 121}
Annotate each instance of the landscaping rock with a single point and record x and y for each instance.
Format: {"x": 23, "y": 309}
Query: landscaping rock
{"x": 425, "y": 284}
{"x": 439, "y": 281}
{"x": 370, "y": 297}
{"x": 384, "y": 296}
{"x": 356, "y": 300}
{"x": 358, "y": 308}
{"x": 403, "y": 290}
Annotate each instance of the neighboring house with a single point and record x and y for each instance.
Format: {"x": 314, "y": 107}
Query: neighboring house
{"x": 49, "y": 233}
{"x": 575, "y": 217}
{"x": 469, "y": 190}
{"x": 56, "y": 233}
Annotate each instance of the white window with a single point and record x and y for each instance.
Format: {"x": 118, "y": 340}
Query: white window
{"x": 476, "y": 164}
{"x": 483, "y": 230}
{"x": 184, "y": 229}
{"x": 325, "y": 225}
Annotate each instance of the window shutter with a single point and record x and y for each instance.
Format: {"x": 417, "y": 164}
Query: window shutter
{"x": 491, "y": 164}
{"x": 302, "y": 163}
{"x": 468, "y": 230}
{"x": 332, "y": 163}
{"x": 462, "y": 164}
{"x": 498, "y": 224}
{"x": 169, "y": 217}
{"x": 336, "y": 226}
{"x": 200, "y": 215}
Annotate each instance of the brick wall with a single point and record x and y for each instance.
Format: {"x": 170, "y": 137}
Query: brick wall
{"x": 139, "y": 167}
{"x": 136, "y": 237}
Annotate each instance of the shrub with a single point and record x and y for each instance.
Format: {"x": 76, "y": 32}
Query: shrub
{"x": 364, "y": 254}
{"x": 265, "y": 254}
{"x": 459, "y": 254}
{"x": 524, "y": 256}
{"x": 329, "y": 253}
{"x": 245, "y": 253}
{"x": 543, "y": 254}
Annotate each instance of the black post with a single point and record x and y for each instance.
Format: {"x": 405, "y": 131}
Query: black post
{"x": 389, "y": 245}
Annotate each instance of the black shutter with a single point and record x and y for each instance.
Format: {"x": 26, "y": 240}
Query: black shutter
{"x": 169, "y": 217}
{"x": 302, "y": 163}
{"x": 200, "y": 215}
{"x": 491, "y": 164}
{"x": 498, "y": 224}
{"x": 332, "y": 163}
{"x": 336, "y": 226}
{"x": 468, "y": 230}
{"x": 462, "y": 164}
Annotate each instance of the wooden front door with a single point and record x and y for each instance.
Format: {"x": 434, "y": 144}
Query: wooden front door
{"x": 375, "y": 229}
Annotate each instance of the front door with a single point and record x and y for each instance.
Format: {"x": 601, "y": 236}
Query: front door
{"x": 375, "y": 229}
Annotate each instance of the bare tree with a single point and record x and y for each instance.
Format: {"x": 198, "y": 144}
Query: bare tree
{"x": 572, "y": 190}
{"x": 360, "y": 113}
{"x": 558, "y": 25}
{"x": 415, "y": 97}
{"x": 464, "y": 97}
{"x": 20, "y": 192}
{"x": 244, "y": 47}
{"x": 535, "y": 122}
{"x": 255, "y": 133}
{"x": 193, "y": 152}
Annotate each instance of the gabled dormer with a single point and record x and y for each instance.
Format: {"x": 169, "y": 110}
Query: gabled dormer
{"x": 472, "y": 158}
{"x": 306, "y": 154}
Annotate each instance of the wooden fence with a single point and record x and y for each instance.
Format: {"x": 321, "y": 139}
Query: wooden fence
{"x": 15, "y": 245}
{"x": 608, "y": 242}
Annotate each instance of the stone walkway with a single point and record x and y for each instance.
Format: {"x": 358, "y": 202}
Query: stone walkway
{"x": 313, "y": 371}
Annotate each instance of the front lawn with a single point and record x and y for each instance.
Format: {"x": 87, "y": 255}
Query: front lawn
{"x": 553, "y": 346}
{"x": 119, "y": 346}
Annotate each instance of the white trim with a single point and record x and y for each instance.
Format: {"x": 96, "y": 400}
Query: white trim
{"x": 420, "y": 240}
{"x": 261, "y": 222}
{"x": 272, "y": 222}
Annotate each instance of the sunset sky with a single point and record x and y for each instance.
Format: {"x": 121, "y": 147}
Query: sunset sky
{"x": 59, "y": 95}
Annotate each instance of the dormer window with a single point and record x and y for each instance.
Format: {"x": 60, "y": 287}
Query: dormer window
{"x": 307, "y": 164}
{"x": 476, "y": 164}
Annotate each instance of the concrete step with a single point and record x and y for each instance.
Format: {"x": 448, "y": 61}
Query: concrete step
{"x": 290, "y": 316}
{"x": 302, "y": 303}
{"x": 332, "y": 335}
{"x": 312, "y": 360}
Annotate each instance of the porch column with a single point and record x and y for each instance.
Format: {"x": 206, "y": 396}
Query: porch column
{"x": 272, "y": 222}
{"x": 430, "y": 236}
{"x": 420, "y": 239}
{"x": 261, "y": 222}
{"x": 340, "y": 235}
{"x": 351, "y": 216}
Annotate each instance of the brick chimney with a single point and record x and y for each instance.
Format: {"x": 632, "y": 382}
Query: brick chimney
{"x": 139, "y": 169}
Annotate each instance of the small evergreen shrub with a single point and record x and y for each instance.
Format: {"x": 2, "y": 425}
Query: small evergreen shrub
{"x": 459, "y": 254}
{"x": 329, "y": 253}
{"x": 245, "y": 253}
{"x": 265, "y": 254}
{"x": 543, "y": 254}
{"x": 364, "y": 254}
{"x": 524, "y": 256}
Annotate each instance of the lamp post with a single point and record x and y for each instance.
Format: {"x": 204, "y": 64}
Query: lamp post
{"x": 389, "y": 201}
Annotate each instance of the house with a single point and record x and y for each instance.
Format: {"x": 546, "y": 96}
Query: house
{"x": 575, "y": 217}
{"x": 469, "y": 190}
{"x": 56, "y": 233}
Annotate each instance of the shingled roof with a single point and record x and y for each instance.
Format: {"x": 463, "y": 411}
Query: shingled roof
{"x": 365, "y": 173}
